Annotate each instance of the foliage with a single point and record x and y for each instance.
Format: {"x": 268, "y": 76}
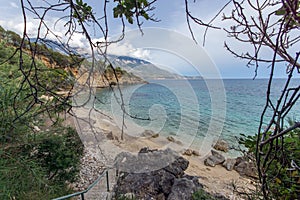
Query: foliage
{"x": 22, "y": 177}
{"x": 291, "y": 11}
{"x": 39, "y": 47}
{"x": 83, "y": 11}
{"x": 36, "y": 161}
{"x": 283, "y": 174}
{"x": 202, "y": 195}
{"x": 131, "y": 9}
{"x": 264, "y": 26}
{"x": 123, "y": 197}
{"x": 59, "y": 152}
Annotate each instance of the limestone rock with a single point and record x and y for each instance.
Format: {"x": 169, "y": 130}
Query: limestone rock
{"x": 147, "y": 150}
{"x": 215, "y": 159}
{"x": 168, "y": 182}
{"x": 150, "y": 133}
{"x": 229, "y": 164}
{"x": 196, "y": 153}
{"x": 246, "y": 168}
{"x": 221, "y": 145}
{"x": 110, "y": 136}
{"x": 171, "y": 139}
{"x": 182, "y": 189}
{"x": 190, "y": 152}
{"x": 178, "y": 167}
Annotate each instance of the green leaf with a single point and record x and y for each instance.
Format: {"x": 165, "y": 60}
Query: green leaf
{"x": 280, "y": 11}
{"x": 130, "y": 20}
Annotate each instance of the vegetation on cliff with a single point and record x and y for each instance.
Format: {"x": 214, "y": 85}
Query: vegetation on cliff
{"x": 39, "y": 156}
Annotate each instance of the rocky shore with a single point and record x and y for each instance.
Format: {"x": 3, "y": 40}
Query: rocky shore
{"x": 216, "y": 174}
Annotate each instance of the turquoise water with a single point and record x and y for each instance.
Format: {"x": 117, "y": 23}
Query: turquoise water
{"x": 180, "y": 107}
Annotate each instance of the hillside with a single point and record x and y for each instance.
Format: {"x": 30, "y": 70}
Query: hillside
{"x": 38, "y": 153}
{"x": 143, "y": 69}
{"x": 105, "y": 76}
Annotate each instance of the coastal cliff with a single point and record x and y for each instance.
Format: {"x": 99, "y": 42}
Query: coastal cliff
{"x": 105, "y": 78}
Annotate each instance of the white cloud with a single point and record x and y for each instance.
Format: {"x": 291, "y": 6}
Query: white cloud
{"x": 14, "y": 5}
{"x": 126, "y": 48}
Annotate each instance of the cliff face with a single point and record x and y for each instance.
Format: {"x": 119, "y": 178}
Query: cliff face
{"x": 105, "y": 78}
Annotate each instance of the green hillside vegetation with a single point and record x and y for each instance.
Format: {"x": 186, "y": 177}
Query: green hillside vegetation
{"x": 114, "y": 74}
{"x": 37, "y": 160}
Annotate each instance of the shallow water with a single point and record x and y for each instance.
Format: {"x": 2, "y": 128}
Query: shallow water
{"x": 194, "y": 109}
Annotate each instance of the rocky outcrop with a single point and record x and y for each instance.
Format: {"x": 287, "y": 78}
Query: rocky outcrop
{"x": 168, "y": 182}
{"x": 215, "y": 159}
{"x": 105, "y": 78}
{"x": 221, "y": 145}
{"x": 245, "y": 167}
{"x": 183, "y": 188}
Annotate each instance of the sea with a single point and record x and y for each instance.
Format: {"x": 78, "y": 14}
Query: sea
{"x": 193, "y": 110}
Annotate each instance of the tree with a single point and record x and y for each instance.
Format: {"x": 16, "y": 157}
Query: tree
{"x": 272, "y": 26}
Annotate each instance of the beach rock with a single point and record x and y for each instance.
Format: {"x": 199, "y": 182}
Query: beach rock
{"x": 229, "y": 164}
{"x": 171, "y": 139}
{"x": 183, "y": 189}
{"x": 215, "y": 159}
{"x": 190, "y": 152}
{"x": 150, "y": 133}
{"x": 178, "y": 142}
{"x": 196, "y": 153}
{"x": 178, "y": 167}
{"x": 221, "y": 145}
{"x": 168, "y": 182}
{"x": 147, "y": 150}
{"x": 246, "y": 168}
{"x": 110, "y": 136}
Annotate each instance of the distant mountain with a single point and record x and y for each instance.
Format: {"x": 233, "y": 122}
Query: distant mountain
{"x": 193, "y": 77}
{"x": 62, "y": 48}
{"x": 142, "y": 68}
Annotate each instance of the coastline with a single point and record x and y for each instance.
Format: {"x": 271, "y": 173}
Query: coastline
{"x": 101, "y": 138}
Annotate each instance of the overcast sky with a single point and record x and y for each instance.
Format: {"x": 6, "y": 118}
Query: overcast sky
{"x": 184, "y": 56}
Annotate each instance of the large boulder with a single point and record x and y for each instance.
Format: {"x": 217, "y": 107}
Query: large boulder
{"x": 146, "y": 183}
{"x": 229, "y": 164}
{"x": 215, "y": 159}
{"x": 246, "y": 168}
{"x": 183, "y": 189}
{"x": 221, "y": 145}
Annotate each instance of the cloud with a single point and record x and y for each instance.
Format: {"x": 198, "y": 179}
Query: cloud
{"x": 14, "y": 5}
{"x": 124, "y": 48}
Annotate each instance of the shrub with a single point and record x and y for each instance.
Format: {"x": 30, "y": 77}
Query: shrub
{"x": 60, "y": 154}
{"x": 202, "y": 195}
{"x": 283, "y": 177}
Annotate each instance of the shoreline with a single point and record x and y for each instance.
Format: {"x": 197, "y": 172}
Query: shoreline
{"x": 101, "y": 138}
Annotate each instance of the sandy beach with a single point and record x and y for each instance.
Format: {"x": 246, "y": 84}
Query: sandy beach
{"x": 102, "y": 139}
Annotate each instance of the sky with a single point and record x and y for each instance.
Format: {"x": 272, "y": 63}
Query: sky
{"x": 167, "y": 43}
